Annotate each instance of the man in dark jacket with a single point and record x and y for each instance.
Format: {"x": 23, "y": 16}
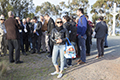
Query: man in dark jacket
{"x": 51, "y": 25}
{"x": 101, "y": 31}
{"x": 30, "y": 32}
{"x": 26, "y": 31}
{"x": 21, "y": 29}
{"x": 36, "y": 38}
{"x": 13, "y": 38}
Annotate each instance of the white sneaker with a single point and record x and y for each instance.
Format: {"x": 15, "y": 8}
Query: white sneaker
{"x": 65, "y": 67}
{"x": 54, "y": 73}
{"x": 60, "y": 75}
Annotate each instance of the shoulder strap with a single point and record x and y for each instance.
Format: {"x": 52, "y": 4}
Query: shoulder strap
{"x": 69, "y": 41}
{"x": 81, "y": 20}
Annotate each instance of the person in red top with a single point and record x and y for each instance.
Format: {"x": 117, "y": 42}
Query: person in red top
{"x": 89, "y": 37}
{"x": 78, "y": 49}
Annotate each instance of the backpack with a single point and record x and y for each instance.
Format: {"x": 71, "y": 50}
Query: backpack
{"x": 72, "y": 30}
{"x": 89, "y": 29}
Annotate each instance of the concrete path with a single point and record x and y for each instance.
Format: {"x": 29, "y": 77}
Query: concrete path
{"x": 106, "y": 68}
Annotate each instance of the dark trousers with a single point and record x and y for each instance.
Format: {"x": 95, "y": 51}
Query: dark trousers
{"x": 78, "y": 49}
{"x": 14, "y": 44}
{"x": 25, "y": 41}
{"x": 67, "y": 62}
{"x": 21, "y": 42}
{"x": 30, "y": 42}
{"x": 88, "y": 41}
{"x": 50, "y": 43}
{"x": 39, "y": 43}
{"x": 34, "y": 41}
{"x": 100, "y": 46}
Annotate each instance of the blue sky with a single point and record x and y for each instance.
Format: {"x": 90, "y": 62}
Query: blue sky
{"x": 38, "y": 2}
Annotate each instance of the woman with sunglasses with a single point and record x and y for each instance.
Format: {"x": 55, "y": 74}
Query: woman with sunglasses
{"x": 59, "y": 35}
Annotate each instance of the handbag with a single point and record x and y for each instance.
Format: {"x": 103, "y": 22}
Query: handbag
{"x": 69, "y": 51}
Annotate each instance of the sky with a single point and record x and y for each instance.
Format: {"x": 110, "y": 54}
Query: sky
{"x": 38, "y": 2}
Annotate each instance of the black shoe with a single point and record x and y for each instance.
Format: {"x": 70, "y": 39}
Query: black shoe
{"x": 47, "y": 52}
{"x": 33, "y": 52}
{"x": 43, "y": 51}
{"x": 18, "y": 62}
{"x": 49, "y": 56}
{"x": 24, "y": 53}
{"x": 0, "y": 55}
{"x": 5, "y": 54}
{"x": 105, "y": 46}
{"x": 38, "y": 52}
{"x": 12, "y": 61}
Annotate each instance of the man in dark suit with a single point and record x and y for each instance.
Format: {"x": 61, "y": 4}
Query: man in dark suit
{"x": 26, "y": 31}
{"x": 101, "y": 31}
{"x": 12, "y": 27}
{"x": 36, "y": 38}
{"x": 21, "y": 29}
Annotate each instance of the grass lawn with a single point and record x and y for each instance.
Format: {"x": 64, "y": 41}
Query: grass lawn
{"x": 35, "y": 67}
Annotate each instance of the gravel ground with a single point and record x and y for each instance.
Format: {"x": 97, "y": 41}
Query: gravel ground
{"x": 106, "y": 68}
{"x": 38, "y": 67}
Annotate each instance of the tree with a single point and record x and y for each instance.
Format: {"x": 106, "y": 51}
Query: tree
{"x": 104, "y": 8}
{"x": 19, "y": 7}
{"x": 71, "y": 7}
{"x": 5, "y": 6}
{"x": 48, "y": 8}
{"x": 57, "y": 10}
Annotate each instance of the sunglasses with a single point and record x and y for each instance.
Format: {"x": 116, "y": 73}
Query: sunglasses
{"x": 59, "y": 22}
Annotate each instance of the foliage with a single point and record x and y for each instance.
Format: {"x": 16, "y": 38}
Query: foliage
{"x": 48, "y": 8}
{"x": 19, "y": 7}
{"x": 70, "y": 8}
{"x": 104, "y": 8}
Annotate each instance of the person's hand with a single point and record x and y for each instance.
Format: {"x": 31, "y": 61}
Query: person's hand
{"x": 34, "y": 31}
{"x": 58, "y": 41}
{"x": 19, "y": 22}
{"x": 81, "y": 36}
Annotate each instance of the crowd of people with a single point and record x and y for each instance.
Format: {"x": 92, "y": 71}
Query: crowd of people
{"x": 47, "y": 36}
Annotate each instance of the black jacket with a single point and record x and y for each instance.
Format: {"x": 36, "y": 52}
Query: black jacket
{"x": 101, "y": 30}
{"x": 72, "y": 30}
{"x": 51, "y": 25}
{"x": 28, "y": 29}
{"x": 62, "y": 34}
{"x": 38, "y": 29}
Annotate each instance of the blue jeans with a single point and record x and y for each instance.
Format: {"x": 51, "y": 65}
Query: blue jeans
{"x": 58, "y": 50}
{"x": 106, "y": 43}
{"x": 81, "y": 43}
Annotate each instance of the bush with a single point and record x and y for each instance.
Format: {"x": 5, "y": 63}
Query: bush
{"x": 3, "y": 68}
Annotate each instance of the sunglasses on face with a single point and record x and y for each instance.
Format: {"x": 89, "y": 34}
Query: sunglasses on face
{"x": 59, "y": 22}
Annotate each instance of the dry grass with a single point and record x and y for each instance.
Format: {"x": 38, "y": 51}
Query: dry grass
{"x": 3, "y": 68}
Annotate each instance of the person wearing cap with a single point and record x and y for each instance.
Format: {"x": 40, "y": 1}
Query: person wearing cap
{"x": 3, "y": 41}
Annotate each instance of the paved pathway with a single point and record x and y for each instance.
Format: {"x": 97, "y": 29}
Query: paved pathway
{"x": 106, "y": 68}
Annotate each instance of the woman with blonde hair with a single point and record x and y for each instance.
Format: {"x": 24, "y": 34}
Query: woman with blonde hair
{"x": 58, "y": 36}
